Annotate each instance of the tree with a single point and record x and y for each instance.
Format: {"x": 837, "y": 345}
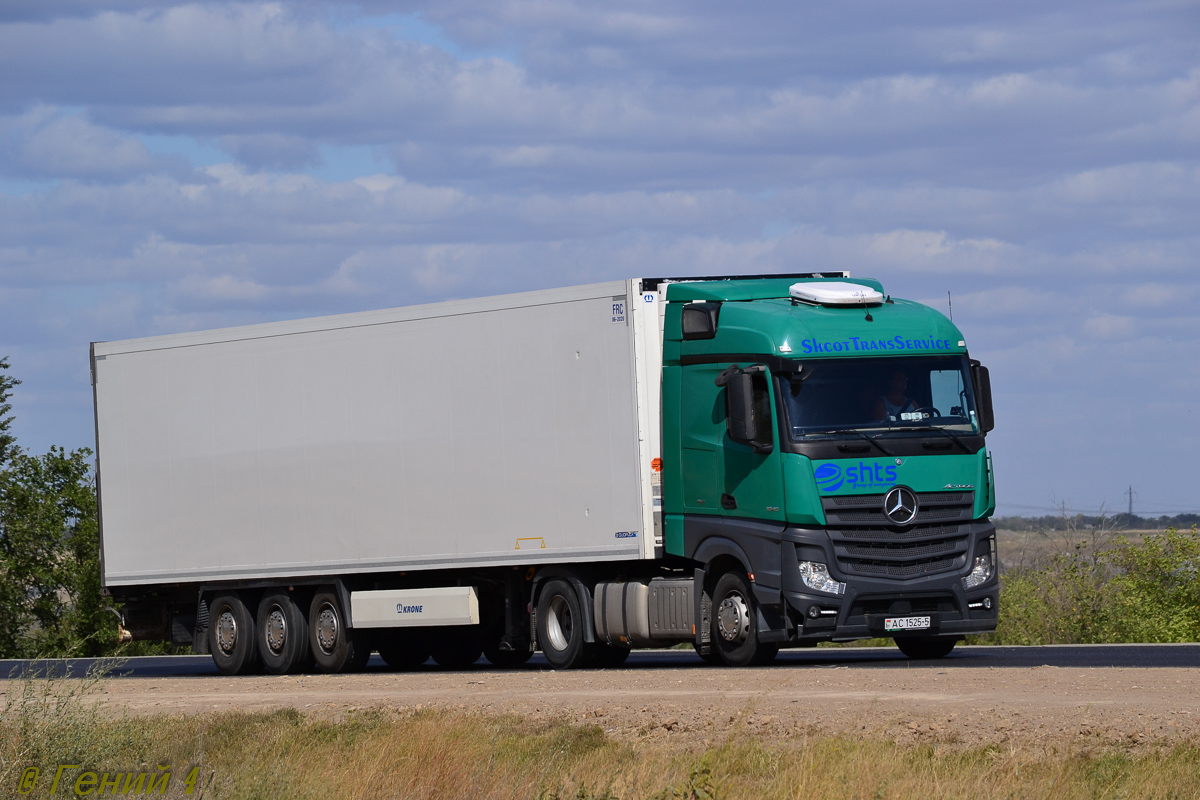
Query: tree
{"x": 50, "y": 601}
{"x": 8, "y": 442}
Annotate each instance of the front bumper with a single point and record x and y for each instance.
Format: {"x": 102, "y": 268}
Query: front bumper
{"x": 859, "y": 612}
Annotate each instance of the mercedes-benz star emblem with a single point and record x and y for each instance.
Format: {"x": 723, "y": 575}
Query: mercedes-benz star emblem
{"x": 900, "y": 505}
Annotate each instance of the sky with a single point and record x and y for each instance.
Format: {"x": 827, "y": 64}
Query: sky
{"x": 172, "y": 167}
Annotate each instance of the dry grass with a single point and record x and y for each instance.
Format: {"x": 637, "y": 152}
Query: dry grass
{"x": 451, "y": 754}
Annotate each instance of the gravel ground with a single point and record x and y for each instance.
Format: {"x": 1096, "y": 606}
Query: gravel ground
{"x": 1041, "y": 707}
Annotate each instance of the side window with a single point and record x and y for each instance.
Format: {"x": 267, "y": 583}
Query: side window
{"x": 762, "y": 407}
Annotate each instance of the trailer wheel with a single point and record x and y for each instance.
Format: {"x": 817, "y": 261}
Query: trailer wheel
{"x": 231, "y": 635}
{"x": 282, "y": 634}
{"x": 404, "y": 649}
{"x": 735, "y": 623}
{"x": 560, "y": 626}
{"x": 925, "y": 647}
{"x": 335, "y": 647}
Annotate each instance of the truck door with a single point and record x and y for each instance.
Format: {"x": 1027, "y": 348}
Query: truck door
{"x": 752, "y": 480}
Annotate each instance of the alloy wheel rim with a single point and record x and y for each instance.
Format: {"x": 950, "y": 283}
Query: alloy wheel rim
{"x": 558, "y": 623}
{"x": 276, "y": 630}
{"x": 733, "y": 618}
{"x": 327, "y": 629}
{"x": 227, "y": 632}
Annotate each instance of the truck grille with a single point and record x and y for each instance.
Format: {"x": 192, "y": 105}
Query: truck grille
{"x": 865, "y": 542}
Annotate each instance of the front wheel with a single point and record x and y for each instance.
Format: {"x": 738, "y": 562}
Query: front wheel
{"x": 926, "y": 647}
{"x": 560, "y": 626}
{"x": 735, "y": 623}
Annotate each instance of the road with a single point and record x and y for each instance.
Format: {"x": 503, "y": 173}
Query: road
{"x": 1154, "y": 656}
{"x": 1061, "y": 696}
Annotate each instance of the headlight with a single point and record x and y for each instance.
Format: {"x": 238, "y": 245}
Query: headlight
{"x": 979, "y": 573}
{"x": 816, "y": 576}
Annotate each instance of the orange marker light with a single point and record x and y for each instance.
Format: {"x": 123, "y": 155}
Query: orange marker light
{"x": 656, "y": 464}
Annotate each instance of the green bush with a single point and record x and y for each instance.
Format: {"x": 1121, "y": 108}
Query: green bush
{"x": 1128, "y": 592}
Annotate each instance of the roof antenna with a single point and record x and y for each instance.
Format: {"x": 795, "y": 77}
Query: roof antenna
{"x": 868, "y": 311}
{"x": 950, "y": 303}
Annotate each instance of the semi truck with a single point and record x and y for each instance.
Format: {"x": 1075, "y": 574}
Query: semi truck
{"x": 739, "y": 463}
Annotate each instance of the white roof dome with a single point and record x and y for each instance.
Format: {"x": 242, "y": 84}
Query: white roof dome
{"x": 835, "y": 293}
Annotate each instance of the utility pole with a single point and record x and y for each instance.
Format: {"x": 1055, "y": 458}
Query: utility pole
{"x": 1130, "y": 493}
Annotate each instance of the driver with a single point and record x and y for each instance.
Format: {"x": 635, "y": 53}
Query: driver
{"x": 895, "y": 402}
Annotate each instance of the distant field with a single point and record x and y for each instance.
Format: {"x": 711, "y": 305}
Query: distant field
{"x": 1032, "y": 548}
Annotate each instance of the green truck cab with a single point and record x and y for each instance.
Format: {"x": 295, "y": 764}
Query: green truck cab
{"x": 830, "y": 440}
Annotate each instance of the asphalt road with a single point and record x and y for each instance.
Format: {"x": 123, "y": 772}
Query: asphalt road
{"x": 1150, "y": 656}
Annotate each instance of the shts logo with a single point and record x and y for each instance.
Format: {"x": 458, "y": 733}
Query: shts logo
{"x": 831, "y": 477}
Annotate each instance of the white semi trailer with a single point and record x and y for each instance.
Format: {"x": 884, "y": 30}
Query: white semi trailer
{"x": 478, "y": 476}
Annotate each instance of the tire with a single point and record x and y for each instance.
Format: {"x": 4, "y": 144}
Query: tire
{"x": 335, "y": 648}
{"x": 231, "y": 636}
{"x": 560, "y": 626}
{"x": 457, "y": 647}
{"x": 506, "y": 659}
{"x": 735, "y": 622}
{"x": 926, "y": 647}
{"x": 607, "y": 656}
{"x": 282, "y": 635}
{"x": 404, "y": 649}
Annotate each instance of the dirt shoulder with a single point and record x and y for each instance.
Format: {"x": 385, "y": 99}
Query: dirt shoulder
{"x": 1042, "y": 706}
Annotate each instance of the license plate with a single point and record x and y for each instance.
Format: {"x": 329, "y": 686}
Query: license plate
{"x": 906, "y": 623}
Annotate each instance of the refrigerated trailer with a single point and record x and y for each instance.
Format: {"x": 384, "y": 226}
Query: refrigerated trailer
{"x": 740, "y": 463}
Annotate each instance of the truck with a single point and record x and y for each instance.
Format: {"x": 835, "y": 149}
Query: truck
{"x": 742, "y": 463}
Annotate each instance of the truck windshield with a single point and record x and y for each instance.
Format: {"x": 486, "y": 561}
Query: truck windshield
{"x": 881, "y": 393}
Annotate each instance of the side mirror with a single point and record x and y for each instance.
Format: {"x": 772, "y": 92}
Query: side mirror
{"x": 983, "y": 395}
{"x": 747, "y": 406}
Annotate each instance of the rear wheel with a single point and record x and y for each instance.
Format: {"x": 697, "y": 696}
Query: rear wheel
{"x": 926, "y": 647}
{"x": 231, "y": 635}
{"x": 335, "y": 647}
{"x": 560, "y": 626}
{"x": 735, "y": 623}
{"x": 282, "y": 634}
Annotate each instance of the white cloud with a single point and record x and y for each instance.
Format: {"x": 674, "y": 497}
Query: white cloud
{"x": 45, "y": 143}
{"x": 1037, "y": 162}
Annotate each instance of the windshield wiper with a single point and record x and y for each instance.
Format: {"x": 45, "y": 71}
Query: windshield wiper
{"x": 938, "y": 428}
{"x": 869, "y": 438}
